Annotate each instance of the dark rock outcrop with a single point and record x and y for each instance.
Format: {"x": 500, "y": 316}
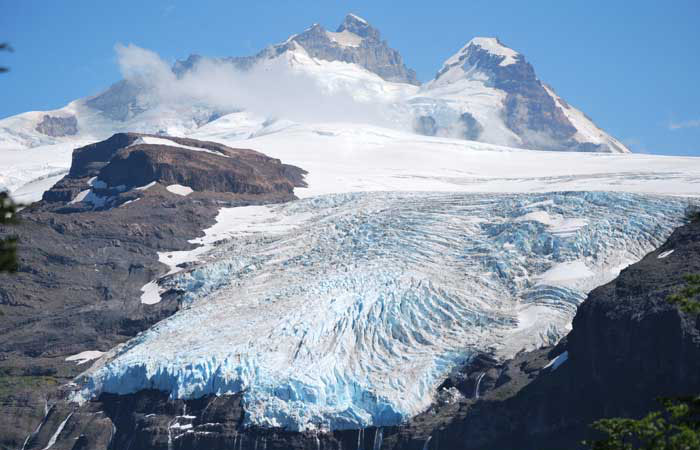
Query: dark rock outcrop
{"x": 122, "y": 163}
{"x": 82, "y": 266}
{"x": 58, "y": 126}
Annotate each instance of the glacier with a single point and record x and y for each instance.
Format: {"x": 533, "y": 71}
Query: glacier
{"x": 347, "y": 310}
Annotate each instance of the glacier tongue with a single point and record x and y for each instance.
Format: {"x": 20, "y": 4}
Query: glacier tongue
{"x": 347, "y": 310}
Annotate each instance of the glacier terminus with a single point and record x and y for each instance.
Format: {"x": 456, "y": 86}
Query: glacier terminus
{"x": 348, "y": 310}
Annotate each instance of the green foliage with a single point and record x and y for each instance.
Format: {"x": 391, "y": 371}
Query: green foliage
{"x": 686, "y": 299}
{"x": 676, "y": 427}
{"x": 8, "y": 245}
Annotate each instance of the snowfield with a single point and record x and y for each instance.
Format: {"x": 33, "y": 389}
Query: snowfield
{"x": 347, "y": 310}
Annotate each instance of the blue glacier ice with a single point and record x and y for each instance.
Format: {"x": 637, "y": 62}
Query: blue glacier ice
{"x": 352, "y": 313}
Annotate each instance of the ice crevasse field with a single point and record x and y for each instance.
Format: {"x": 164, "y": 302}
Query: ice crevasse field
{"x": 347, "y": 310}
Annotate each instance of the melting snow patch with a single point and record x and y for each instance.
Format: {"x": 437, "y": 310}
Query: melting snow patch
{"x": 150, "y": 293}
{"x": 80, "y": 197}
{"x": 83, "y": 357}
{"x": 163, "y": 141}
{"x": 54, "y": 437}
{"x": 665, "y": 254}
{"x": 143, "y": 188}
{"x": 179, "y": 189}
{"x": 558, "y": 361}
{"x": 98, "y": 184}
{"x": 556, "y": 222}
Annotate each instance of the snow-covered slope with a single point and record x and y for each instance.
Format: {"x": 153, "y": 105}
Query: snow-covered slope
{"x": 350, "y": 157}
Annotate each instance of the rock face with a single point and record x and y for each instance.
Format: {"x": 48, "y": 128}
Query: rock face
{"x": 119, "y": 102}
{"x": 356, "y": 41}
{"x": 58, "y": 126}
{"x": 84, "y": 260}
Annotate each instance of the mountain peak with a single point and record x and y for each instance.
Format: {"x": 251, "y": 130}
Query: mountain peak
{"x": 359, "y": 26}
{"x": 495, "y": 47}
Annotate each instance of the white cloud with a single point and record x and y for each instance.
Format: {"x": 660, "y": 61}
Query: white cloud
{"x": 695, "y": 123}
{"x": 273, "y": 89}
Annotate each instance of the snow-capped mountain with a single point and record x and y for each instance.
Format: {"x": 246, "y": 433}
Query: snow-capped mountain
{"x": 486, "y": 92}
{"x": 499, "y": 99}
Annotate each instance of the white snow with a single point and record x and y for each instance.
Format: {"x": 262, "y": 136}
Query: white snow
{"x": 150, "y": 140}
{"x": 83, "y": 357}
{"x": 54, "y": 437}
{"x": 179, "y": 189}
{"x": 80, "y": 197}
{"x": 358, "y": 18}
{"x": 148, "y": 186}
{"x": 558, "y": 361}
{"x": 494, "y": 47}
{"x": 351, "y": 157}
{"x": 665, "y": 254}
{"x": 150, "y": 293}
{"x": 566, "y": 271}
{"x": 345, "y": 38}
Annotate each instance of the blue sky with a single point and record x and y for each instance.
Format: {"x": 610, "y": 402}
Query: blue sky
{"x": 631, "y": 66}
